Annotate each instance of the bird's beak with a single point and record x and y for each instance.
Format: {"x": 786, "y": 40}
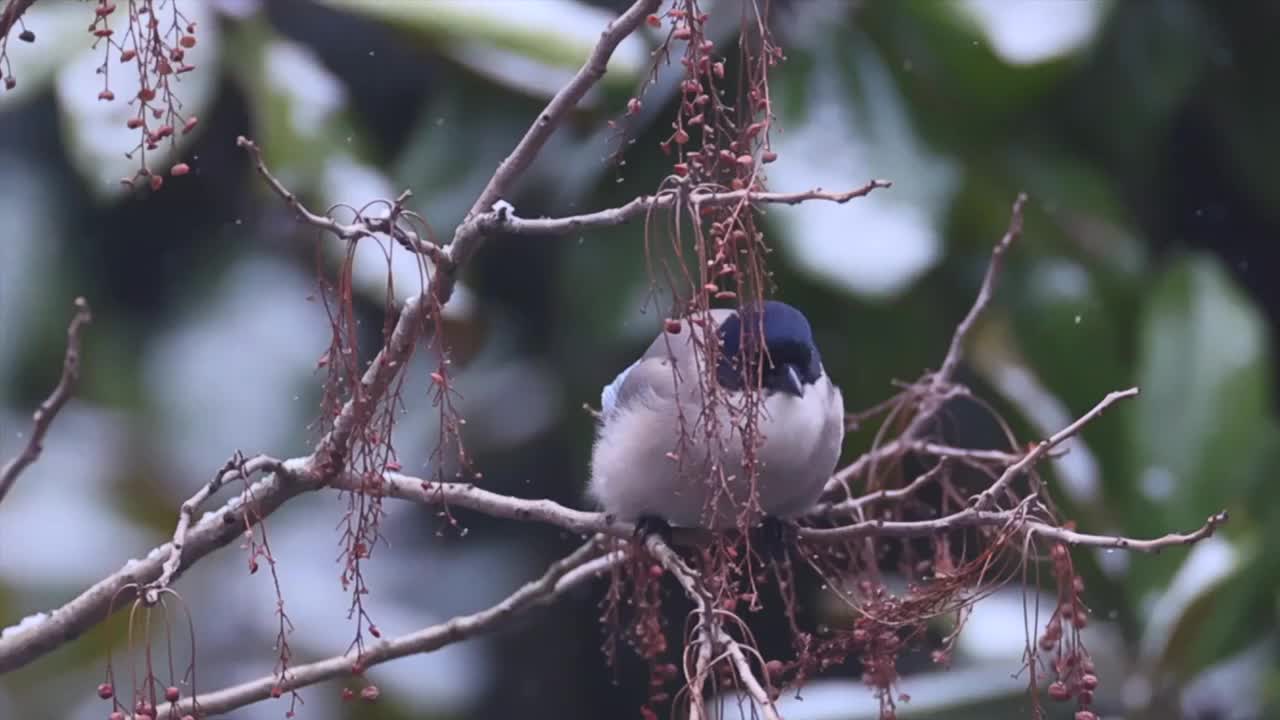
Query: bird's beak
{"x": 793, "y": 384}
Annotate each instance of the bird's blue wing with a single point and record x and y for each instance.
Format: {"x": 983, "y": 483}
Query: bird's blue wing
{"x": 609, "y": 395}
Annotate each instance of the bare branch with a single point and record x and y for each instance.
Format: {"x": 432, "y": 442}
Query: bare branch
{"x": 563, "y": 575}
{"x": 503, "y": 220}
{"x": 939, "y": 381}
{"x": 48, "y": 409}
{"x": 748, "y": 678}
{"x": 236, "y": 467}
{"x": 468, "y": 496}
{"x": 1154, "y": 545}
{"x": 970, "y": 518}
{"x": 514, "y": 165}
{"x": 858, "y": 504}
{"x": 361, "y": 228}
{"x": 222, "y": 527}
{"x": 988, "y": 496}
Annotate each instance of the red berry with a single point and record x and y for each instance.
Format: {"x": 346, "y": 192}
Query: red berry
{"x": 179, "y": 170}
{"x": 156, "y": 182}
{"x": 370, "y": 693}
{"x": 187, "y": 41}
{"x": 105, "y": 691}
{"x": 172, "y": 694}
{"x": 654, "y": 21}
{"x": 1058, "y": 691}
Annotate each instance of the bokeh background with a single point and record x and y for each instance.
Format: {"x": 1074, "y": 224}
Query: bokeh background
{"x": 1144, "y": 132}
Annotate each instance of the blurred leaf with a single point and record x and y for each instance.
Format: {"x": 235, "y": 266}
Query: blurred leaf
{"x": 1222, "y": 618}
{"x": 1204, "y": 416}
{"x": 94, "y": 130}
{"x": 531, "y": 46}
{"x": 1207, "y": 387}
{"x": 878, "y": 245}
{"x": 1026, "y": 34}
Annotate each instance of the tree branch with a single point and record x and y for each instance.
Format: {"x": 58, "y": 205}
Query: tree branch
{"x": 48, "y": 410}
{"x": 988, "y": 496}
{"x": 501, "y": 219}
{"x": 9, "y": 16}
{"x": 938, "y": 382}
{"x": 972, "y": 518}
{"x": 236, "y": 467}
{"x": 21, "y": 645}
{"x": 563, "y": 575}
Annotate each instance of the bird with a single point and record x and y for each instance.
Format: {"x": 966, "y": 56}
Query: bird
{"x": 640, "y": 470}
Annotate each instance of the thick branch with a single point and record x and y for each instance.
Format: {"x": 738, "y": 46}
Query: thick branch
{"x": 569, "y": 572}
{"x": 226, "y": 525}
{"x": 235, "y": 468}
{"x": 48, "y": 409}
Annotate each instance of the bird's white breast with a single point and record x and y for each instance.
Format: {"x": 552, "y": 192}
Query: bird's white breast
{"x": 633, "y": 473}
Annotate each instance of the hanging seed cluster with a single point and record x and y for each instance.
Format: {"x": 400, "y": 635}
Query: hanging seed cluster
{"x": 154, "y": 42}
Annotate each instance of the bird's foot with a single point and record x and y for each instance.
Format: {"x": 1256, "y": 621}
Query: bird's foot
{"x": 647, "y": 525}
{"x": 774, "y": 535}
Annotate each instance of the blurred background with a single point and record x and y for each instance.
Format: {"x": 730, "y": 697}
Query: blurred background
{"x": 1144, "y": 133}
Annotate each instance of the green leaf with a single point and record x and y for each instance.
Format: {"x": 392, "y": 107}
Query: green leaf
{"x": 1206, "y": 381}
{"x": 501, "y": 39}
{"x": 1204, "y": 419}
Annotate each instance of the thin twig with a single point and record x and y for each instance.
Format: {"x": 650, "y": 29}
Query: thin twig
{"x": 970, "y": 518}
{"x": 939, "y": 381}
{"x": 988, "y": 496}
{"x": 1116, "y": 542}
{"x": 470, "y": 234}
{"x": 237, "y": 467}
{"x": 48, "y": 410}
{"x": 564, "y": 574}
{"x": 858, "y": 504}
{"x": 362, "y": 227}
{"x": 503, "y": 220}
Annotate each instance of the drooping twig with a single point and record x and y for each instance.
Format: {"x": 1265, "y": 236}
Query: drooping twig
{"x": 48, "y": 409}
{"x": 563, "y": 575}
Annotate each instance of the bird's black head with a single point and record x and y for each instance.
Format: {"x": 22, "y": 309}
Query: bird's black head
{"x": 790, "y": 359}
